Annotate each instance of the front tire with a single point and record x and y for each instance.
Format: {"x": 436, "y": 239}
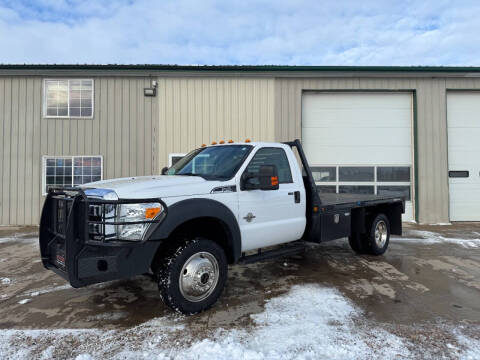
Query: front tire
{"x": 191, "y": 276}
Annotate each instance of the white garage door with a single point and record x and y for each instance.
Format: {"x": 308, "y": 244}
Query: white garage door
{"x": 463, "y": 119}
{"x": 360, "y": 142}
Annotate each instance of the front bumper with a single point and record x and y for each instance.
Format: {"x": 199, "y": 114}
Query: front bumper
{"x": 70, "y": 249}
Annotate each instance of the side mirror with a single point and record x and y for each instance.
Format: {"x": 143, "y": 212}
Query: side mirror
{"x": 265, "y": 179}
{"x": 164, "y": 170}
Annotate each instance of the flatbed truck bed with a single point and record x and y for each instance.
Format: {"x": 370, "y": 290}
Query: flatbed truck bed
{"x": 332, "y": 216}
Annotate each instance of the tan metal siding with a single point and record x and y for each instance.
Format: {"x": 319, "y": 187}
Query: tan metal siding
{"x": 135, "y": 133}
{"x": 193, "y": 111}
{"x": 122, "y": 131}
{"x": 3, "y": 137}
{"x": 432, "y": 151}
{"x": 431, "y": 127}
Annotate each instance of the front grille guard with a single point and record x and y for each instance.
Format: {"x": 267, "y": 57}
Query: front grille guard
{"x": 70, "y": 220}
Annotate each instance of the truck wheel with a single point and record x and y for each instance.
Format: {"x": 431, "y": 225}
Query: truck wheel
{"x": 379, "y": 236}
{"x": 192, "y": 276}
{"x": 357, "y": 243}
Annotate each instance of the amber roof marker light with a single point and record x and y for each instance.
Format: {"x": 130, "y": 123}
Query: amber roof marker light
{"x": 230, "y": 141}
{"x": 214, "y": 143}
{"x": 274, "y": 180}
{"x": 221, "y": 142}
{"x": 248, "y": 140}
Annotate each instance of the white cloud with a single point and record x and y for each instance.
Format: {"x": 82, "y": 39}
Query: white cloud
{"x": 432, "y": 32}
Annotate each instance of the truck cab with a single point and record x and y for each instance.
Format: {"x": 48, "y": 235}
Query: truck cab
{"x": 212, "y": 208}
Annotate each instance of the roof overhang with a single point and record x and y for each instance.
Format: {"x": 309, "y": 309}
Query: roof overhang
{"x": 269, "y": 71}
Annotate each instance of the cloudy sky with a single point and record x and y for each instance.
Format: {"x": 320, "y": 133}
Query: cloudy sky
{"x": 302, "y": 32}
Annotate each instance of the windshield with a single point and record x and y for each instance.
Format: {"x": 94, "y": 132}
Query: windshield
{"x": 212, "y": 163}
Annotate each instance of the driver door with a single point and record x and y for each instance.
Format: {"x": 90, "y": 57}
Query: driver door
{"x": 270, "y": 217}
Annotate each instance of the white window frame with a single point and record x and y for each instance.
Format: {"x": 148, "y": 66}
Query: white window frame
{"x": 44, "y": 167}
{"x": 44, "y": 99}
{"x": 172, "y": 155}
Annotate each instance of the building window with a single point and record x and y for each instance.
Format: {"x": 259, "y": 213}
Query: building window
{"x": 68, "y": 171}
{"x": 68, "y": 98}
{"x": 324, "y": 173}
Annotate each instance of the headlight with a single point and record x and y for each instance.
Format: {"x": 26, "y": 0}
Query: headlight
{"x": 131, "y": 213}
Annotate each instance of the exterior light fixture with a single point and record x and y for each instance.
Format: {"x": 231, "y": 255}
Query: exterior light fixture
{"x": 151, "y": 91}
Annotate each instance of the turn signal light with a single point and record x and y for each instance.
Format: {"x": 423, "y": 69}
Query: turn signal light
{"x": 230, "y": 141}
{"x": 274, "y": 180}
{"x": 222, "y": 142}
{"x": 214, "y": 143}
{"x": 315, "y": 209}
{"x": 247, "y": 140}
{"x": 151, "y": 213}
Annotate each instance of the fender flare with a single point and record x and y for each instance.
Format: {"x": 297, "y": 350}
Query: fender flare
{"x": 191, "y": 209}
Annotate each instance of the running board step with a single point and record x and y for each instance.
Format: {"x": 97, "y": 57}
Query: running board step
{"x": 275, "y": 253}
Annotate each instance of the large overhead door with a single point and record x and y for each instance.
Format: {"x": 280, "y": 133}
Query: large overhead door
{"x": 463, "y": 119}
{"x": 360, "y": 142}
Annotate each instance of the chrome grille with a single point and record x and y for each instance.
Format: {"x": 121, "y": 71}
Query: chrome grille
{"x": 98, "y": 217}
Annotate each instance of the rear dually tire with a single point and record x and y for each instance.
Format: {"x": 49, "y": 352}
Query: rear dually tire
{"x": 379, "y": 236}
{"x": 376, "y": 240}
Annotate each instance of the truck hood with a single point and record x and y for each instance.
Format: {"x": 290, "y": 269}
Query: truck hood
{"x": 155, "y": 186}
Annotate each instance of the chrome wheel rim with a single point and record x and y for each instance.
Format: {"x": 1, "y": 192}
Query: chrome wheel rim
{"x": 199, "y": 276}
{"x": 381, "y": 233}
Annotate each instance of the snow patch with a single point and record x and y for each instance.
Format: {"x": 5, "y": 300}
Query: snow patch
{"x": 429, "y": 237}
{"x": 309, "y": 322}
{"x": 472, "y": 347}
{"x": 316, "y": 322}
{"x": 46, "y": 290}
{"x": 110, "y": 316}
{"x": 84, "y": 357}
{"x": 5, "y": 281}
{"x": 24, "y": 301}
{"x": 18, "y": 239}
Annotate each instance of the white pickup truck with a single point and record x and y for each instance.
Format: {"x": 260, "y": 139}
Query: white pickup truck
{"x": 210, "y": 209}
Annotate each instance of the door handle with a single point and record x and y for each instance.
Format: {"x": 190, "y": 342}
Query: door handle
{"x": 296, "y": 195}
{"x": 458, "y": 173}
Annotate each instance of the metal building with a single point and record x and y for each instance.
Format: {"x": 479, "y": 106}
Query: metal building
{"x": 408, "y": 130}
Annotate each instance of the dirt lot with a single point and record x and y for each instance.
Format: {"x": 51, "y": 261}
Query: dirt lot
{"x": 421, "y": 299}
